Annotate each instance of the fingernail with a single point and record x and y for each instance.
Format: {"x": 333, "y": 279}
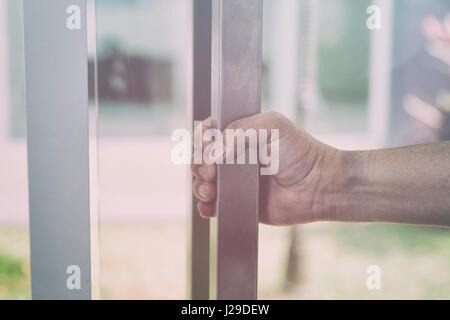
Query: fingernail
{"x": 203, "y": 172}
{"x": 203, "y": 191}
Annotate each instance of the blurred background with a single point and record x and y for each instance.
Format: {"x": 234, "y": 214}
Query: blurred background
{"x": 350, "y": 86}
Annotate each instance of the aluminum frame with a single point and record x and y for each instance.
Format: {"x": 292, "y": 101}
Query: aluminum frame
{"x": 59, "y": 149}
{"x": 236, "y": 93}
{"x": 201, "y": 109}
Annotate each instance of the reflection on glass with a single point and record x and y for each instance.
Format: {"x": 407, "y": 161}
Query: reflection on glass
{"x": 14, "y": 247}
{"x": 349, "y": 86}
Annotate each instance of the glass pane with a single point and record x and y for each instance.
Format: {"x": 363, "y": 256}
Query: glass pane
{"x": 144, "y": 198}
{"x": 357, "y": 88}
{"x": 347, "y": 82}
{"x": 14, "y": 247}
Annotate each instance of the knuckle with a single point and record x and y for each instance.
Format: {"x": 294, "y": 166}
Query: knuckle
{"x": 277, "y": 119}
{"x": 238, "y": 124}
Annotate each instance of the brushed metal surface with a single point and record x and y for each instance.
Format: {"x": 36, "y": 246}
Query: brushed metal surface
{"x": 236, "y": 93}
{"x": 201, "y": 104}
{"x": 56, "y": 58}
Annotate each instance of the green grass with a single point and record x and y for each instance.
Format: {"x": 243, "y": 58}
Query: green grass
{"x": 414, "y": 261}
{"x": 14, "y": 282}
{"x": 14, "y": 263}
{"x": 380, "y": 239}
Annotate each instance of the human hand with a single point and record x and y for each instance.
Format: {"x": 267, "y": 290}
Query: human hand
{"x": 296, "y": 193}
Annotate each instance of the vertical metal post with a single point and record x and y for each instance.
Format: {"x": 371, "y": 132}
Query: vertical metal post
{"x": 56, "y": 60}
{"x": 380, "y": 76}
{"x": 236, "y": 93}
{"x": 199, "y": 262}
{"x": 284, "y": 57}
{"x": 5, "y": 74}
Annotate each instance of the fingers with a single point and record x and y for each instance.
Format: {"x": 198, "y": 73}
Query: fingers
{"x": 268, "y": 121}
{"x": 206, "y": 210}
{"x": 219, "y": 151}
{"x": 199, "y": 133}
{"x": 203, "y": 171}
{"x": 204, "y": 191}
{"x": 204, "y": 185}
{"x": 206, "y": 172}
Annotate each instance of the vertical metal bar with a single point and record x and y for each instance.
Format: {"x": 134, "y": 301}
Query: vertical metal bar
{"x": 236, "y": 93}
{"x": 284, "y": 57}
{"x": 58, "y": 148}
{"x": 380, "y": 76}
{"x": 5, "y": 74}
{"x": 199, "y": 263}
{"x": 93, "y": 147}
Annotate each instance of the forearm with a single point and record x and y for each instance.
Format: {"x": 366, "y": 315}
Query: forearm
{"x": 405, "y": 185}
